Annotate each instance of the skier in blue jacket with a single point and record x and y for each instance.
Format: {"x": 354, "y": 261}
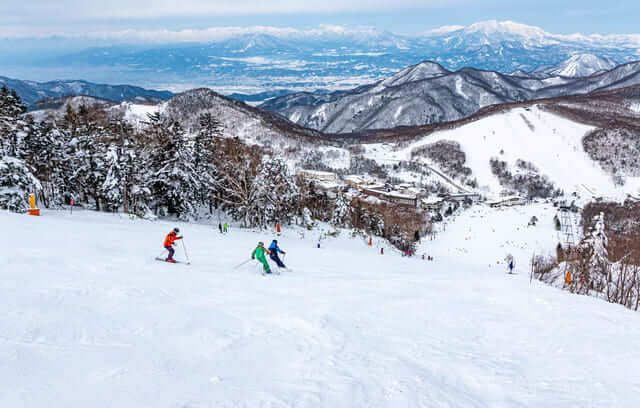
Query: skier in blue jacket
{"x": 274, "y": 249}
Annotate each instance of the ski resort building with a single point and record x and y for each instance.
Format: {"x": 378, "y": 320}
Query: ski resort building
{"x": 318, "y": 175}
{"x": 508, "y": 202}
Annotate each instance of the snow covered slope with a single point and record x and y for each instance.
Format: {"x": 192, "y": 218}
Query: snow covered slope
{"x": 88, "y": 318}
{"x": 581, "y": 65}
{"x": 552, "y": 143}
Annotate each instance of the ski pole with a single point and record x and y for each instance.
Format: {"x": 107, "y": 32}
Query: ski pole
{"x": 243, "y": 263}
{"x": 184, "y": 247}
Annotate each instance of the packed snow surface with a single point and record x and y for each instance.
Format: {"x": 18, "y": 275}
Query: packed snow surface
{"x": 89, "y": 319}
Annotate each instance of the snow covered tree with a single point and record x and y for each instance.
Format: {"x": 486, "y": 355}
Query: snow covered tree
{"x": 599, "y": 240}
{"x": 203, "y": 159}
{"x": 87, "y": 160}
{"x": 342, "y": 211}
{"x": 16, "y": 177}
{"x": 596, "y": 269}
{"x": 123, "y": 186}
{"x": 16, "y": 182}
{"x": 113, "y": 185}
{"x": 11, "y": 108}
{"x": 237, "y": 165}
{"x": 174, "y": 183}
{"x": 47, "y": 151}
{"x": 307, "y": 219}
{"x": 276, "y": 192}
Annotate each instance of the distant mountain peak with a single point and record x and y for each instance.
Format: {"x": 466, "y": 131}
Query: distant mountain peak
{"x": 506, "y": 27}
{"x": 581, "y": 65}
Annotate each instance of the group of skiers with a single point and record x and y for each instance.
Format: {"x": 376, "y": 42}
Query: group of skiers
{"x": 258, "y": 253}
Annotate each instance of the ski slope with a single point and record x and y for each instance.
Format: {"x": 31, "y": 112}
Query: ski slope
{"x": 89, "y": 319}
{"x": 552, "y": 143}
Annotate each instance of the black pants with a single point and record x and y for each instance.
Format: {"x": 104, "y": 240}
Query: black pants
{"x": 275, "y": 258}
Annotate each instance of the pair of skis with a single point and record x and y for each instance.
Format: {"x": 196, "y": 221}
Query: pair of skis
{"x": 186, "y": 254}
{"x": 159, "y": 258}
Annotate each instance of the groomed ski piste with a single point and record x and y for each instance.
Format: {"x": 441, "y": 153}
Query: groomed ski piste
{"x": 88, "y": 318}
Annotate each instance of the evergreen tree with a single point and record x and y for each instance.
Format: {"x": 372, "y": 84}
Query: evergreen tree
{"x": 16, "y": 182}
{"x": 204, "y": 154}
{"x": 124, "y": 185}
{"x": 175, "y": 184}
{"x": 276, "y": 192}
{"x": 342, "y": 211}
{"x": 88, "y": 170}
{"x": 11, "y": 108}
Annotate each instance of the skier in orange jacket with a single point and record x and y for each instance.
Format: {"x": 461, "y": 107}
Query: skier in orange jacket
{"x": 169, "y": 240}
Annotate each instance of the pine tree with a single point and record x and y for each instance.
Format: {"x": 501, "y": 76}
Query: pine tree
{"x": 11, "y": 108}
{"x": 204, "y": 153}
{"x": 87, "y": 160}
{"x": 342, "y": 211}
{"x": 16, "y": 182}
{"x": 47, "y": 152}
{"x": 175, "y": 184}
{"x": 594, "y": 248}
{"x": 276, "y": 192}
{"x": 112, "y": 188}
{"x": 124, "y": 186}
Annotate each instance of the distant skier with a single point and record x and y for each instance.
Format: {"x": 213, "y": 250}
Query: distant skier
{"x": 274, "y": 249}
{"x": 511, "y": 263}
{"x": 220, "y": 227}
{"x": 169, "y": 241}
{"x": 225, "y": 227}
{"x": 259, "y": 254}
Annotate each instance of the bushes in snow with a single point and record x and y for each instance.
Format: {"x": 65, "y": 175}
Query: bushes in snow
{"x": 616, "y": 150}
{"x": 606, "y": 263}
{"x": 526, "y": 180}
{"x": 399, "y": 224}
{"x": 448, "y": 155}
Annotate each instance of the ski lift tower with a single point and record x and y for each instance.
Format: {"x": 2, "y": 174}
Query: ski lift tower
{"x": 568, "y": 227}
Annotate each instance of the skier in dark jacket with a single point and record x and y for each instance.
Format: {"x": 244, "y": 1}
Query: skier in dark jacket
{"x": 274, "y": 249}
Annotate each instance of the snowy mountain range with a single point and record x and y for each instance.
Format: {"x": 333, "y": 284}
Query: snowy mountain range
{"x": 589, "y": 131}
{"x": 31, "y": 91}
{"x": 328, "y": 57}
{"x": 427, "y": 93}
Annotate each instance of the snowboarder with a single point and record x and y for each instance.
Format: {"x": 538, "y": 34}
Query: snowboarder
{"x": 169, "y": 241}
{"x": 220, "y": 227}
{"x": 225, "y": 227}
{"x": 259, "y": 253}
{"x": 273, "y": 253}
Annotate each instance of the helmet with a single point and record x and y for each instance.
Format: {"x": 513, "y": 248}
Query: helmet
{"x": 275, "y": 241}
{"x": 260, "y": 243}
{"x": 176, "y": 230}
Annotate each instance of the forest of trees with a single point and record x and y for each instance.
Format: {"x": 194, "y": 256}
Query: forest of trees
{"x": 158, "y": 169}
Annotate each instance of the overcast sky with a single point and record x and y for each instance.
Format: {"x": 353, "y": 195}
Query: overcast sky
{"x": 33, "y": 18}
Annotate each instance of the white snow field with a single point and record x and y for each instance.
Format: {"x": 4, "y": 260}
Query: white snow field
{"x": 552, "y": 143}
{"x": 89, "y": 319}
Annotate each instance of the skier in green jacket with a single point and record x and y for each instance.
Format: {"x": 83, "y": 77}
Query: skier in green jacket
{"x": 259, "y": 253}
